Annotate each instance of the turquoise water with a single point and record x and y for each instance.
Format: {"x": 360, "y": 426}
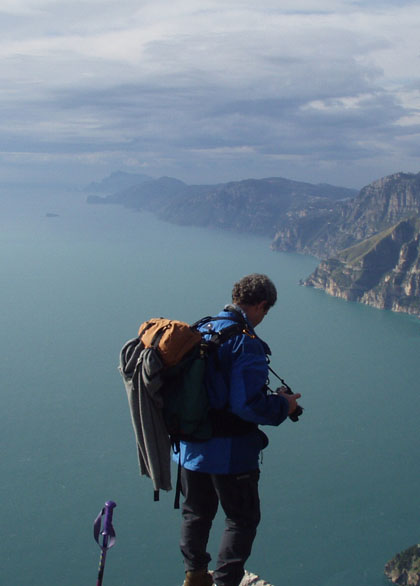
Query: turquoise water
{"x": 339, "y": 488}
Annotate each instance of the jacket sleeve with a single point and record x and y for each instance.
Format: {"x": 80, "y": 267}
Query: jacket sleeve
{"x": 249, "y": 398}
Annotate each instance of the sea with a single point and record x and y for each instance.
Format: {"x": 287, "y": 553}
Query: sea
{"x": 339, "y": 488}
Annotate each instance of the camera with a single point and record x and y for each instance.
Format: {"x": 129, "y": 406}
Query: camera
{"x": 299, "y": 410}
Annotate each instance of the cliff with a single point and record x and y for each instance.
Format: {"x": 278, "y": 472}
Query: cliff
{"x": 378, "y": 206}
{"x": 382, "y": 271}
{"x": 371, "y": 243}
{"x": 404, "y": 568}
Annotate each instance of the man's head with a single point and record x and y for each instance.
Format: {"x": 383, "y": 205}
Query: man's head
{"x": 255, "y": 294}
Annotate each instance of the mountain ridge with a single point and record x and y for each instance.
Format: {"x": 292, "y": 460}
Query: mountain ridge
{"x": 251, "y": 205}
{"x": 116, "y": 181}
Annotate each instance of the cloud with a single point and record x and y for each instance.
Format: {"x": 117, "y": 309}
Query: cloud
{"x": 325, "y": 87}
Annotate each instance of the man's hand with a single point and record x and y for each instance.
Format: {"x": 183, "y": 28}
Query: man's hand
{"x": 292, "y": 398}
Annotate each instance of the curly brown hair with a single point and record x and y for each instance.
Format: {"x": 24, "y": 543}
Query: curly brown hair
{"x": 253, "y": 289}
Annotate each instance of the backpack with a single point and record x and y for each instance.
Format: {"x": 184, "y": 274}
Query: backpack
{"x": 164, "y": 371}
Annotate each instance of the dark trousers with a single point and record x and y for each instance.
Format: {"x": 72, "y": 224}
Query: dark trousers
{"x": 238, "y": 496}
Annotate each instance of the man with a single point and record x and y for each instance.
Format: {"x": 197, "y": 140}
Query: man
{"x": 225, "y": 468}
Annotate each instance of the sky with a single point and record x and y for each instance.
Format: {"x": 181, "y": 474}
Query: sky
{"x": 208, "y": 91}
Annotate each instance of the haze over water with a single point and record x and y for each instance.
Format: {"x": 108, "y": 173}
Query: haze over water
{"x": 339, "y": 488}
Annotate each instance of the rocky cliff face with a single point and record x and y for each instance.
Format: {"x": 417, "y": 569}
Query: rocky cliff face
{"x": 377, "y": 207}
{"x": 382, "y": 271}
{"x": 312, "y": 231}
{"x": 404, "y": 568}
{"x": 382, "y": 204}
{"x": 373, "y": 246}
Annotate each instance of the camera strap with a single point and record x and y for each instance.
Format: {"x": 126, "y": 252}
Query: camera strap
{"x": 283, "y": 382}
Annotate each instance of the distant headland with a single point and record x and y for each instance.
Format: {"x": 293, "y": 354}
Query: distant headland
{"x": 368, "y": 241}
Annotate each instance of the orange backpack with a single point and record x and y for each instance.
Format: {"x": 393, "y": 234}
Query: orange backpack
{"x": 174, "y": 339}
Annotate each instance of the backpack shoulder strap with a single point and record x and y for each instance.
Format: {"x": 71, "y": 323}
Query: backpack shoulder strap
{"x": 237, "y": 327}
{"x": 203, "y": 321}
{"x": 220, "y": 337}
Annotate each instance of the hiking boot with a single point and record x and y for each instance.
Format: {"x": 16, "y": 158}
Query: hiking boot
{"x": 198, "y": 578}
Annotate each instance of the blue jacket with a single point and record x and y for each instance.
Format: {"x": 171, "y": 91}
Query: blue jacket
{"x": 239, "y": 382}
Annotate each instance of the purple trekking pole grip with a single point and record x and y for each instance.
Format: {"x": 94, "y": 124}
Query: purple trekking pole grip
{"x": 104, "y": 520}
{"x": 108, "y": 529}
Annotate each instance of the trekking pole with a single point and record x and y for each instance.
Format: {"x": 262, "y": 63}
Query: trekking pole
{"x": 107, "y": 533}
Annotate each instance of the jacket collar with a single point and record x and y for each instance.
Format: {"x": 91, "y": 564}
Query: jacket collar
{"x": 232, "y": 308}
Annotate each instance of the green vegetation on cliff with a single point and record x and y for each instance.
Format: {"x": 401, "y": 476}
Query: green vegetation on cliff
{"x": 383, "y": 271}
{"x": 404, "y": 568}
